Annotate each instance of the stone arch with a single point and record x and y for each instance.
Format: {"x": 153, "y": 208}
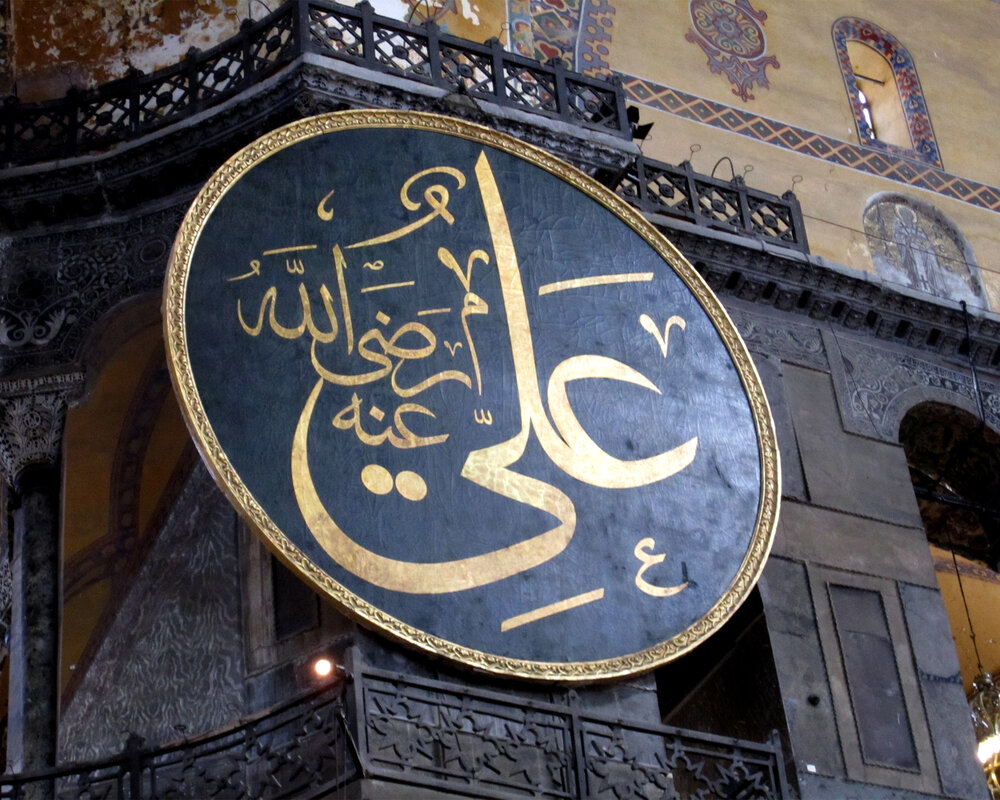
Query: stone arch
{"x": 915, "y": 245}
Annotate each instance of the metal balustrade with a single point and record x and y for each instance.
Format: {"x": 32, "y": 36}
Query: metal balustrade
{"x": 679, "y": 191}
{"x": 88, "y": 121}
{"x": 431, "y": 734}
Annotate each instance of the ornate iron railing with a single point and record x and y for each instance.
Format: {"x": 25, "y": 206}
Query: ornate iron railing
{"x": 658, "y": 188}
{"x": 89, "y": 121}
{"x": 297, "y": 750}
{"x": 431, "y": 734}
{"x": 138, "y": 104}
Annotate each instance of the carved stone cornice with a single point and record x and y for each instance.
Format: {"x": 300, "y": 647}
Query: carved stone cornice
{"x": 32, "y": 417}
{"x": 793, "y": 342}
{"x": 61, "y": 284}
{"x": 835, "y": 298}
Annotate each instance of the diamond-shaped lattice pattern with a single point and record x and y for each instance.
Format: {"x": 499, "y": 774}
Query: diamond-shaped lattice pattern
{"x": 628, "y": 189}
{"x": 39, "y": 134}
{"x": 668, "y": 193}
{"x": 271, "y": 45}
{"x": 160, "y": 101}
{"x": 467, "y": 69}
{"x": 592, "y": 105}
{"x": 530, "y": 88}
{"x": 721, "y": 205}
{"x": 401, "y": 52}
{"x": 222, "y": 74}
{"x": 335, "y": 34}
{"x": 771, "y": 219}
{"x": 103, "y": 119}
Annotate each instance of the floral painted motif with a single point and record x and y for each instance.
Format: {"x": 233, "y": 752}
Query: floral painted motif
{"x": 545, "y": 29}
{"x": 911, "y": 96}
{"x": 732, "y": 35}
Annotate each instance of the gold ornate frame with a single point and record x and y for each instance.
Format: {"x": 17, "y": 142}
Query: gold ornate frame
{"x": 225, "y": 475}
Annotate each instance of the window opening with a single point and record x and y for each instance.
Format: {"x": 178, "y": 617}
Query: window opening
{"x": 866, "y": 112}
{"x": 884, "y": 90}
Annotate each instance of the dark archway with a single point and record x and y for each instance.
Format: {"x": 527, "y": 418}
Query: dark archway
{"x": 954, "y": 462}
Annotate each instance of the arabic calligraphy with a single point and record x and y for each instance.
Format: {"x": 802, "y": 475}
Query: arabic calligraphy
{"x": 470, "y": 395}
{"x": 391, "y": 358}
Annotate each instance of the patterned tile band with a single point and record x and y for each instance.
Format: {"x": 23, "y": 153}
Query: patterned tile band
{"x": 810, "y": 143}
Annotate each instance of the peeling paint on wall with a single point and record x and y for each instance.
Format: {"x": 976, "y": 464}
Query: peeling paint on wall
{"x": 54, "y": 47}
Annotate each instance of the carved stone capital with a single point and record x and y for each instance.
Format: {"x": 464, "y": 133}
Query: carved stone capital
{"x": 32, "y": 416}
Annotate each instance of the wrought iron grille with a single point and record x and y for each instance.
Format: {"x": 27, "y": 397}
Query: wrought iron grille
{"x": 679, "y": 191}
{"x": 86, "y": 121}
{"x": 491, "y": 745}
{"x": 430, "y": 734}
{"x": 297, "y": 750}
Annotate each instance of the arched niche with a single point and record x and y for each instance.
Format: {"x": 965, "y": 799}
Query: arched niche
{"x": 126, "y": 452}
{"x": 913, "y": 244}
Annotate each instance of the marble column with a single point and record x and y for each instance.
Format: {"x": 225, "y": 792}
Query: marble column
{"x": 32, "y": 415}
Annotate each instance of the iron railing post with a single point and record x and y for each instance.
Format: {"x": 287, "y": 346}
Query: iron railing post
{"x": 499, "y": 81}
{"x": 742, "y": 204}
{"x": 694, "y": 202}
{"x": 301, "y": 35}
{"x": 72, "y": 121}
{"x": 367, "y": 33}
{"x": 191, "y": 64}
{"x": 133, "y": 102}
{"x": 562, "y": 95}
{"x": 434, "y": 53}
{"x": 614, "y": 80}
{"x": 133, "y": 765}
{"x": 246, "y": 52}
{"x": 798, "y": 223}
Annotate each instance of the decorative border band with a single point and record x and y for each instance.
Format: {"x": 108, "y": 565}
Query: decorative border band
{"x": 810, "y": 143}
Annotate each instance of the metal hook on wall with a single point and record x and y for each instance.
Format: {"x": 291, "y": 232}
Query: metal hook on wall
{"x": 732, "y": 168}
{"x": 250, "y": 8}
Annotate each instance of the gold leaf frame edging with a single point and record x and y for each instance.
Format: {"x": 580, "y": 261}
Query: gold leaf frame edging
{"x": 225, "y": 475}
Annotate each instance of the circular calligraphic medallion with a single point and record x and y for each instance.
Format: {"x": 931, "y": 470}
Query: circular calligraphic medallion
{"x": 471, "y": 395}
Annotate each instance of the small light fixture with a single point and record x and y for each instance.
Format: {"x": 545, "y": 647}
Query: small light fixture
{"x": 323, "y": 667}
{"x": 985, "y": 706}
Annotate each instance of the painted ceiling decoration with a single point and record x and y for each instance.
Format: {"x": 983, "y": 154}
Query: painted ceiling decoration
{"x": 732, "y": 36}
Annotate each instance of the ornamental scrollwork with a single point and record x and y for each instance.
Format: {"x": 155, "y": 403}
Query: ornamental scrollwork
{"x": 32, "y": 415}
{"x": 876, "y": 388}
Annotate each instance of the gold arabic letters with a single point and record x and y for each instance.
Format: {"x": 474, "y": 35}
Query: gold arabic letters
{"x": 436, "y": 196}
{"x": 643, "y": 551}
{"x": 267, "y": 304}
{"x": 564, "y": 440}
{"x": 571, "y": 448}
{"x": 425, "y": 577}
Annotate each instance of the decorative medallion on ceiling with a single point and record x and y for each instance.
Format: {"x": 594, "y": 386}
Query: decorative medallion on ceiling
{"x": 732, "y": 36}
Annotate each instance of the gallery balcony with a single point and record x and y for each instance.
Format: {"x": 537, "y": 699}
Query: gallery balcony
{"x": 481, "y": 80}
{"x": 390, "y": 730}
